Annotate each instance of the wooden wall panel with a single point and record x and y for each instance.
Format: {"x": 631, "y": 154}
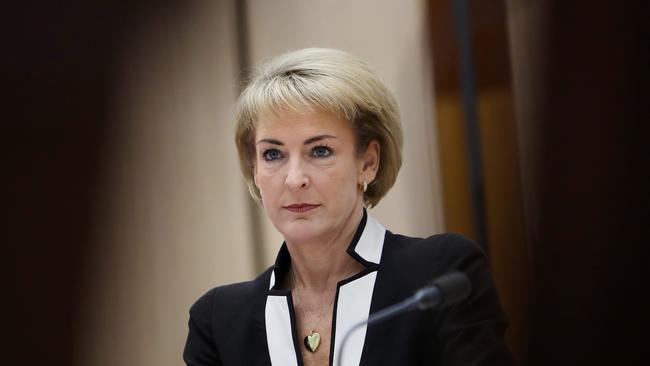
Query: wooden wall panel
{"x": 504, "y": 219}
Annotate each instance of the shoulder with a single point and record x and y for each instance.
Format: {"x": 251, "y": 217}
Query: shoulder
{"x": 221, "y": 299}
{"x": 471, "y": 329}
{"x": 446, "y": 241}
{"x": 409, "y": 263}
{"x": 446, "y": 251}
{"x": 216, "y": 319}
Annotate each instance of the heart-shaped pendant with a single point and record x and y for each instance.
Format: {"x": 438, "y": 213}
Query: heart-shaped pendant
{"x": 312, "y": 341}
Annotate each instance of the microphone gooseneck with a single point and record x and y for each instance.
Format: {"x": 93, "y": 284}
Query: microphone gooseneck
{"x": 445, "y": 290}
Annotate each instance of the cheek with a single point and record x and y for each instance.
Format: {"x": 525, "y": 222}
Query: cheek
{"x": 340, "y": 182}
{"x": 268, "y": 183}
{"x": 263, "y": 180}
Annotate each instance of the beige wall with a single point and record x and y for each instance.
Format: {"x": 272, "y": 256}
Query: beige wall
{"x": 173, "y": 222}
{"x": 174, "y": 219}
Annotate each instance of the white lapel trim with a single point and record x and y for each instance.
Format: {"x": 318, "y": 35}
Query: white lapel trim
{"x": 353, "y": 307}
{"x": 371, "y": 242}
{"x": 355, "y": 297}
{"x": 279, "y": 336}
{"x": 272, "y": 281}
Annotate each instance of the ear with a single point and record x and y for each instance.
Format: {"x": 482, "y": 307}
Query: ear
{"x": 370, "y": 162}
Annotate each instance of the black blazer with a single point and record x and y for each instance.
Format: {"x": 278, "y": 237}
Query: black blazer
{"x": 253, "y": 323}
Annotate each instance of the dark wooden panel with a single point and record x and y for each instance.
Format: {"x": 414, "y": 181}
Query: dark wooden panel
{"x": 591, "y": 258}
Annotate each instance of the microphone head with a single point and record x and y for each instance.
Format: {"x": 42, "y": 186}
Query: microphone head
{"x": 454, "y": 287}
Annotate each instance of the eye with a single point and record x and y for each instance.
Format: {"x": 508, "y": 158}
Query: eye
{"x": 321, "y": 151}
{"x": 271, "y": 154}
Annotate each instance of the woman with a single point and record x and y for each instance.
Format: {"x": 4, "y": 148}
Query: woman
{"x": 319, "y": 137}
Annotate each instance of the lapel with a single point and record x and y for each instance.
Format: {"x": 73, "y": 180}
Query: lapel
{"x": 351, "y": 305}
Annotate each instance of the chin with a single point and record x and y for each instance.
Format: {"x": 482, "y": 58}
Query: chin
{"x": 300, "y": 230}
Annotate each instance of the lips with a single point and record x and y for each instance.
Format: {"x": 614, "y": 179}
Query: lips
{"x": 301, "y": 207}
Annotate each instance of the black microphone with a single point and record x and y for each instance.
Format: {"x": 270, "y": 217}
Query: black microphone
{"x": 445, "y": 290}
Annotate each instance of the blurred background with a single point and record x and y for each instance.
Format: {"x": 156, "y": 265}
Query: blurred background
{"x": 522, "y": 124}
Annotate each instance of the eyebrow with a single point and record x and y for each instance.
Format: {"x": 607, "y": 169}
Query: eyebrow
{"x": 307, "y": 142}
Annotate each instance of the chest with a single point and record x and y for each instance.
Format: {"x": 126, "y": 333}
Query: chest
{"x": 314, "y": 330}
{"x": 286, "y": 326}
{"x": 271, "y": 331}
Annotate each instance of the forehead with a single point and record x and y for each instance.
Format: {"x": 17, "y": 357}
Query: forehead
{"x": 289, "y": 125}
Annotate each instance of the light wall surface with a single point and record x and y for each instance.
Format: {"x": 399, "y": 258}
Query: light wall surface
{"x": 173, "y": 223}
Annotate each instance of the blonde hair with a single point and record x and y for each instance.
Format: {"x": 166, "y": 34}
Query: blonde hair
{"x": 322, "y": 79}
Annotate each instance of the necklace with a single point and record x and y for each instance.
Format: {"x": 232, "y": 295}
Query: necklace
{"x": 312, "y": 340}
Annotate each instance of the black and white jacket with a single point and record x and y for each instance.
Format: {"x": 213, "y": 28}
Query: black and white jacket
{"x": 253, "y": 323}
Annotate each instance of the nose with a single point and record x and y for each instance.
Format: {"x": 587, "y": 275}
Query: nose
{"x": 297, "y": 176}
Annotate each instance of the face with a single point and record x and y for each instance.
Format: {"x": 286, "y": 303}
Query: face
{"x": 308, "y": 174}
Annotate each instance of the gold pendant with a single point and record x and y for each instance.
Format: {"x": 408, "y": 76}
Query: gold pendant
{"x": 312, "y": 341}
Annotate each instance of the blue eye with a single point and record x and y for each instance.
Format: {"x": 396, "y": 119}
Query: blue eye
{"x": 321, "y": 151}
{"x": 271, "y": 154}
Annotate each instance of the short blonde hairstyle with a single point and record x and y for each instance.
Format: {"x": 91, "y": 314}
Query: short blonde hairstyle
{"x": 321, "y": 79}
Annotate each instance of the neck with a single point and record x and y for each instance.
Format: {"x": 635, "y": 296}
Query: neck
{"x": 320, "y": 266}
